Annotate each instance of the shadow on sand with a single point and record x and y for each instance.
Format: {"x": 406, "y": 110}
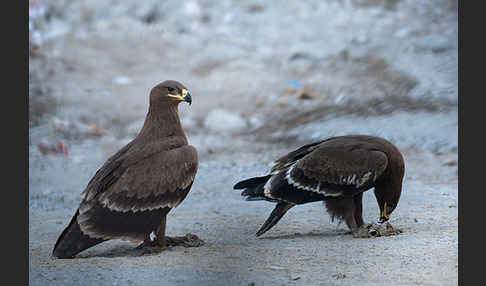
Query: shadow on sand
{"x": 309, "y": 234}
{"x": 122, "y": 250}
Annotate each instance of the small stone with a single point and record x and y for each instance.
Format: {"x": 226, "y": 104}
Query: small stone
{"x": 256, "y": 8}
{"x": 122, "y": 80}
{"x": 304, "y": 95}
{"x": 274, "y": 267}
{"x": 339, "y": 276}
{"x": 47, "y": 147}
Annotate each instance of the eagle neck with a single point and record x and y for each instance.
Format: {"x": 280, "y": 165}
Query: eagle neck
{"x": 162, "y": 122}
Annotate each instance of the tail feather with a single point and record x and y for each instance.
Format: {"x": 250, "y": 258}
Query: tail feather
{"x": 253, "y": 188}
{"x": 280, "y": 209}
{"x": 72, "y": 240}
{"x": 251, "y": 183}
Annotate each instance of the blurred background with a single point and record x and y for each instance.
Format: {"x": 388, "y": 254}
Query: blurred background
{"x": 265, "y": 76}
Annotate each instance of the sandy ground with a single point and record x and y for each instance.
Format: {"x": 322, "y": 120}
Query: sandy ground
{"x": 265, "y": 79}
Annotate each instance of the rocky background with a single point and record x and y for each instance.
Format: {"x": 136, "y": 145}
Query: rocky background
{"x": 266, "y": 77}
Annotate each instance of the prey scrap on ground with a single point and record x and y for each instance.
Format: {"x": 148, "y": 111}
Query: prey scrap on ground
{"x": 130, "y": 196}
{"x": 337, "y": 171}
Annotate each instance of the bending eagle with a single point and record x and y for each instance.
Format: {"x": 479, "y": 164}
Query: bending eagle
{"x": 337, "y": 171}
{"x": 130, "y": 196}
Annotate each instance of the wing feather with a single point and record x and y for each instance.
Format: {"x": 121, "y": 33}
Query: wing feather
{"x": 333, "y": 167}
{"x": 338, "y": 171}
{"x": 143, "y": 180}
{"x": 283, "y": 163}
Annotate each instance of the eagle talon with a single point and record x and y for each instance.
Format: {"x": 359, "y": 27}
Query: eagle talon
{"x": 144, "y": 244}
{"x": 151, "y": 247}
{"x": 148, "y": 244}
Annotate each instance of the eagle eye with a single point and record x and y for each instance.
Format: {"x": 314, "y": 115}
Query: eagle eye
{"x": 170, "y": 89}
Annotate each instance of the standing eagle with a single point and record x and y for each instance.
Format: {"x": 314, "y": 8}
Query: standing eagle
{"x": 337, "y": 171}
{"x": 130, "y": 196}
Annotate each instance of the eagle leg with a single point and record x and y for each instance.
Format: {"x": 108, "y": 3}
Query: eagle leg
{"x": 349, "y": 209}
{"x": 161, "y": 239}
{"x": 350, "y": 219}
{"x": 345, "y": 209}
{"x": 157, "y": 245}
{"x": 358, "y": 210}
{"x": 189, "y": 240}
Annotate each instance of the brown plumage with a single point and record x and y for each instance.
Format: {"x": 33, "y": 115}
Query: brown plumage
{"x": 131, "y": 194}
{"x": 337, "y": 171}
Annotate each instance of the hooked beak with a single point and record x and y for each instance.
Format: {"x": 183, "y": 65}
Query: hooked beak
{"x": 184, "y": 96}
{"x": 187, "y": 96}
